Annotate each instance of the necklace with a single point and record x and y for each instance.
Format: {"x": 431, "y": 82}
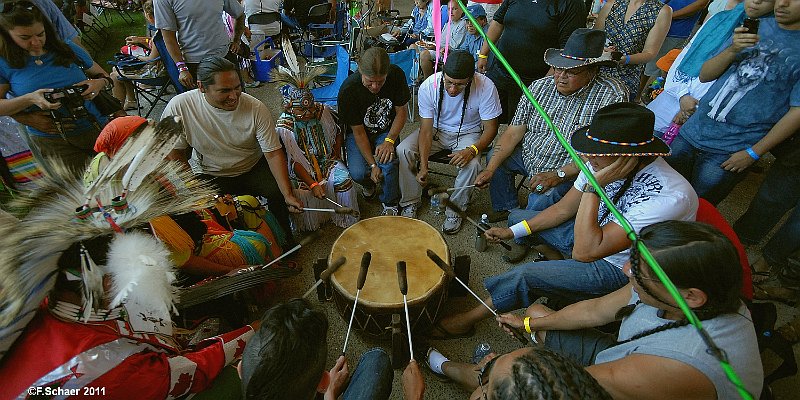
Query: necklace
{"x": 38, "y": 60}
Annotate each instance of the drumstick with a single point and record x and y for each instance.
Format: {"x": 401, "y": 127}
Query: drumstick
{"x": 337, "y": 210}
{"x": 449, "y": 204}
{"x": 362, "y": 277}
{"x": 326, "y": 274}
{"x": 303, "y": 242}
{"x": 449, "y": 271}
{"x": 401, "y": 279}
{"x": 333, "y": 202}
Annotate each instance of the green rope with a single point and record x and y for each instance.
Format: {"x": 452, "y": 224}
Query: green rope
{"x": 643, "y": 251}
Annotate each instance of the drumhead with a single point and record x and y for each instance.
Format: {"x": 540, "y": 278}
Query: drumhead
{"x": 390, "y": 239}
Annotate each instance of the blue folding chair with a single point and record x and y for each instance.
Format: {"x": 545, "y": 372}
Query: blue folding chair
{"x": 408, "y": 61}
{"x": 329, "y": 94}
{"x": 169, "y": 63}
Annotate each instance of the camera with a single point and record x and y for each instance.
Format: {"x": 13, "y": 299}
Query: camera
{"x": 71, "y": 100}
{"x": 751, "y": 24}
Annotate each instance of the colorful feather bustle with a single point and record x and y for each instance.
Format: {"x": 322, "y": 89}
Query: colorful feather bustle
{"x": 31, "y": 246}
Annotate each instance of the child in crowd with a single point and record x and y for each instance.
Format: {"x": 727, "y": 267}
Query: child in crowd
{"x": 458, "y": 33}
{"x": 473, "y": 40}
{"x": 123, "y": 89}
{"x": 419, "y": 27}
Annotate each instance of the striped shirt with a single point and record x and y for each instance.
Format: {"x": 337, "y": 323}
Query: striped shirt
{"x": 541, "y": 150}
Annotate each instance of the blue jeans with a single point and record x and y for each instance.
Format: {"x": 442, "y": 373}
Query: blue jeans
{"x": 501, "y": 189}
{"x": 702, "y": 169}
{"x": 372, "y": 379}
{"x": 561, "y": 237}
{"x": 563, "y": 281}
{"x": 359, "y": 169}
{"x": 779, "y": 193}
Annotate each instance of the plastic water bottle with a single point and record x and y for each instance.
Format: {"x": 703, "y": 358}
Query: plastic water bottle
{"x": 480, "y": 240}
{"x": 436, "y": 204}
{"x": 671, "y": 132}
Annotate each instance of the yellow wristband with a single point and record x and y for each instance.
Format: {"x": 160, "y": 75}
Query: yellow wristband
{"x": 527, "y": 227}
{"x": 528, "y": 324}
{"x": 388, "y": 139}
{"x": 482, "y": 55}
{"x": 475, "y": 148}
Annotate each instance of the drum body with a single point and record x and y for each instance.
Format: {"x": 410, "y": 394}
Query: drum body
{"x": 390, "y": 239}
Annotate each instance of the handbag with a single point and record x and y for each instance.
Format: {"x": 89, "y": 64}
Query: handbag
{"x": 106, "y": 103}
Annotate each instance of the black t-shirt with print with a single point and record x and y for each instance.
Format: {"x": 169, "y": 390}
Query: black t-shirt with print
{"x": 358, "y": 106}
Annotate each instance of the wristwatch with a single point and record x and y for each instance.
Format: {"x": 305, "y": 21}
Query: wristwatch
{"x": 588, "y": 188}
{"x": 561, "y": 174}
{"x": 373, "y": 165}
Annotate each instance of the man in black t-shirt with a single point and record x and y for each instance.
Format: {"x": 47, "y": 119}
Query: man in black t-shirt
{"x": 523, "y": 30}
{"x": 372, "y": 103}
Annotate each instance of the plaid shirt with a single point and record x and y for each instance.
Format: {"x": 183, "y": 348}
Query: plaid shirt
{"x": 541, "y": 150}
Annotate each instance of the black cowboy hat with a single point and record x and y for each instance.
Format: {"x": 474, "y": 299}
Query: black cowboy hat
{"x": 584, "y": 47}
{"x": 621, "y": 129}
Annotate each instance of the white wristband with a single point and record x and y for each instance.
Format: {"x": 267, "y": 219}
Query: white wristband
{"x": 519, "y": 230}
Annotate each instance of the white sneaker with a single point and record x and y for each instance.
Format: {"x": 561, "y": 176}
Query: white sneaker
{"x": 410, "y": 210}
{"x": 451, "y": 225}
{"x": 390, "y": 210}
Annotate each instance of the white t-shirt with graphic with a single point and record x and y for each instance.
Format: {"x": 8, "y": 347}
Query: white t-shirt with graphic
{"x": 483, "y": 104}
{"x": 658, "y": 193}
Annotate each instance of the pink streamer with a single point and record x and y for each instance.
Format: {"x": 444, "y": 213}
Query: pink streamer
{"x": 436, "y": 14}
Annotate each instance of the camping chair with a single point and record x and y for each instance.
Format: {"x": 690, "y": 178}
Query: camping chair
{"x": 329, "y": 94}
{"x": 149, "y": 90}
{"x": 169, "y": 63}
{"x": 408, "y": 61}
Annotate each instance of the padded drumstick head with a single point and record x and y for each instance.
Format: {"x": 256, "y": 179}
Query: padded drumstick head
{"x": 332, "y": 267}
{"x": 308, "y": 239}
{"x": 401, "y": 277}
{"x": 441, "y": 263}
{"x": 343, "y": 210}
{"x": 449, "y": 204}
{"x": 362, "y": 274}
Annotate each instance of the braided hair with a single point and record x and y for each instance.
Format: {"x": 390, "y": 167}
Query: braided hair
{"x": 463, "y": 106}
{"x": 625, "y": 186}
{"x": 693, "y": 254}
{"x": 542, "y": 374}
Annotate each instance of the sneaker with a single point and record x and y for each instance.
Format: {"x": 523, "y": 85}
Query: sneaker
{"x": 410, "y": 210}
{"x": 390, "y": 210}
{"x": 451, "y": 225}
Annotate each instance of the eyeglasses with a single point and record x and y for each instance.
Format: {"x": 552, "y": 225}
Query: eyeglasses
{"x": 569, "y": 72}
{"x": 485, "y": 371}
{"x": 9, "y": 6}
{"x": 449, "y": 83}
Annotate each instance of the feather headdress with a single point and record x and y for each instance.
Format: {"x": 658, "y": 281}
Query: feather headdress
{"x": 294, "y": 82}
{"x": 62, "y": 212}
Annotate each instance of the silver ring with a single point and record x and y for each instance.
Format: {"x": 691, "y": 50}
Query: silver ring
{"x": 539, "y": 188}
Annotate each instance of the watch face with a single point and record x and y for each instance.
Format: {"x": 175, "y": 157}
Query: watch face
{"x": 561, "y": 173}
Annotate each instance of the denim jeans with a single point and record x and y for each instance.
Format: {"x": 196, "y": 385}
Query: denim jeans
{"x": 564, "y": 281}
{"x": 372, "y": 379}
{"x": 779, "y": 193}
{"x": 702, "y": 169}
{"x": 561, "y": 237}
{"x": 502, "y": 190}
{"x": 360, "y": 171}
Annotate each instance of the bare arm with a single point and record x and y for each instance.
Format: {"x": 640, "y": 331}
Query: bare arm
{"x": 655, "y": 38}
{"x": 20, "y": 103}
{"x": 785, "y": 127}
{"x": 643, "y": 377}
{"x": 600, "y": 23}
{"x": 174, "y": 50}
{"x": 689, "y": 10}
{"x": 180, "y": 155}
{"x": 277, "y": 165}
{"x": 715, "y": 67}
{"x": 585, "y": 314}
{"x": 424, "y": 142}
{"x": 502, "y": 150}
{"x": 494, "y": 32}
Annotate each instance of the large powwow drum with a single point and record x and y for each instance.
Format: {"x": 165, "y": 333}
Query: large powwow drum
{"x": 390, "y": 239}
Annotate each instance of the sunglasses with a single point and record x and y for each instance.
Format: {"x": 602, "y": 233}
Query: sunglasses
{"x": 485, "y": 372}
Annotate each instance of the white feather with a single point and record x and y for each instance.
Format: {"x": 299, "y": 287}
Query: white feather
{"x": 162, "y": 141}
{"x": 288, "y": 54}
{"x": 142, "y": 273}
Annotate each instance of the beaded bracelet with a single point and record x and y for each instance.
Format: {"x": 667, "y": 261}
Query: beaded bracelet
{"x": 313, "y": 185}
{"x": 388, "y": 139}
{"x": 474, "y": 148}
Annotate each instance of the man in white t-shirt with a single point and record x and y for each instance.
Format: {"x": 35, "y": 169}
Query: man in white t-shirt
{"x": 458, "y": 109}
{"x": 232, "y": 139}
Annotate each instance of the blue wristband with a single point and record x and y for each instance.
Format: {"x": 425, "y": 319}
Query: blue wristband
{"x": 627, "y": 59}
{"x": 752, "y": 153}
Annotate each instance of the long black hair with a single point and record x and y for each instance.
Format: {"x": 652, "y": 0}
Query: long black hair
{"x": 625, "y": 186}
{"x": 26, "y": 14}
{"x": 693, "y": 255}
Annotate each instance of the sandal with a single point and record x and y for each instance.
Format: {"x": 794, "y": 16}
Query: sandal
{"x": 775, "y": 293}
{"x": 760, "y": 271}
{"x": 438, "y": 332}
{"x": 441, "y": 377}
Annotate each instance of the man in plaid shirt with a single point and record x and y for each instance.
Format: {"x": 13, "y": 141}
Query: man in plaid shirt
{"x": 571, "y": 96}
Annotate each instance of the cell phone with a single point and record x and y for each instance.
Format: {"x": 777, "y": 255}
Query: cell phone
{"x": 751, "y": 24}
